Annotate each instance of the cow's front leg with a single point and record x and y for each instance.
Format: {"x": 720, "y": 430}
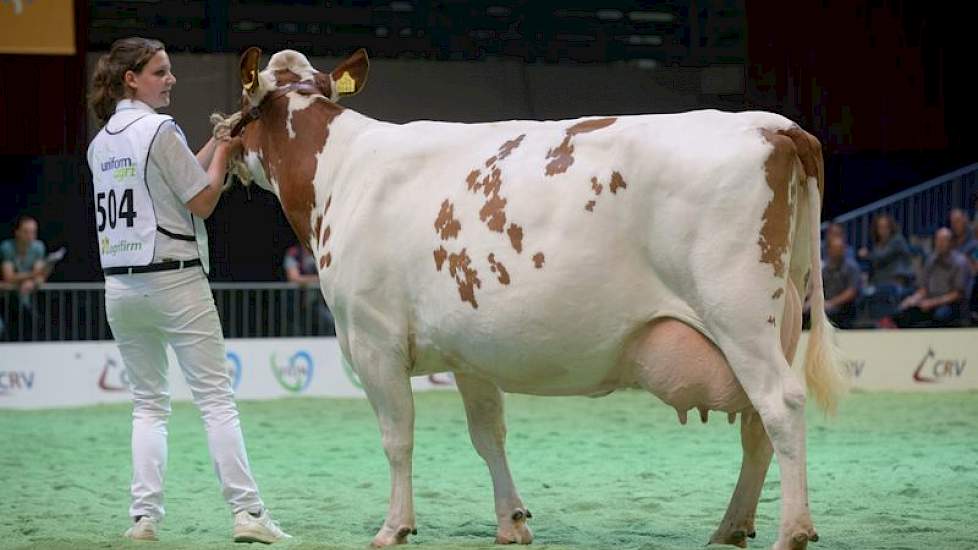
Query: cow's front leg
{"x": 484, "y": 409}
{"x": 738, "y": 523}
{"x": 387, "y": 384}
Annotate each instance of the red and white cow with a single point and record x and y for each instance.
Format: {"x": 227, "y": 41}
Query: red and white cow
{"x": 556, "y": 258}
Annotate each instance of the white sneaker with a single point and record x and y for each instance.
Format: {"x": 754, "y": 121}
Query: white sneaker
{"x": 248, "y": 528}
{"x": 144, "y": 529}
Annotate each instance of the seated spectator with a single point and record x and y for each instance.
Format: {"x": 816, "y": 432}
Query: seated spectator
{"x": 842, "y": 280}
{"x": 964, "y": 240}
{"x": 836, "y": 230}
{"x": 24, "y": 268}
{"x": 891, "y": 275}
{"x": 300, "y": 267}
{"x": 941, "y": 298}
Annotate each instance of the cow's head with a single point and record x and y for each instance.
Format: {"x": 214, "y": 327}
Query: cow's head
{"x": 265, "y": 106}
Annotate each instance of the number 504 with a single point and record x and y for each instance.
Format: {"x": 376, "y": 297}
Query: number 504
{"x": 113, "y": 210}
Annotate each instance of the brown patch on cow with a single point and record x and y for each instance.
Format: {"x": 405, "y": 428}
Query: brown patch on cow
{"x": 445, "y": 224}
{"x": 491, "y": 183}
{"x": 590, "y": 125}
{"x": 493, "y": 213}
{"x": 325, "y": 236}
{"x": 809, "y": 152}
{"x": 440, "y": 256}
{"x": 284, "y": 77}
{"x": 515, "y": 233}
{"x": 538, "y": 260}
{"x": 563, "y": 154}
{"x": 318, "y": 227}
{"x": 563, "y": 157}
{"x": 459, "y": 266}
{"x": 291, "y": 163}
{"x": 777, "y": 294}
{"x": 770, "y": 320}
{"x": 497, "y": 267}
{"x": 322, "y": 262}
{"x": 774, "y": 237}
{"x": 617, "y": 182}
{"x": 473, "y": 180}
{"x": 328, "y": 258}
{"x": 507, "y": 148}
{"x": 321, "y": 81}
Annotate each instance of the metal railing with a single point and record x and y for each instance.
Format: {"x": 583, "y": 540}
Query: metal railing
{"x": 919, "y": 211}
{"x": 76, "y": 311}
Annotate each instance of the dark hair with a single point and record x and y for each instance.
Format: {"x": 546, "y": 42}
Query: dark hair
{"x": 894, "y": 228}
{"x": 108, "y": 85}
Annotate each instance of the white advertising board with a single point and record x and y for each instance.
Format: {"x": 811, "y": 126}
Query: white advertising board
{"x": 65, "y": 374}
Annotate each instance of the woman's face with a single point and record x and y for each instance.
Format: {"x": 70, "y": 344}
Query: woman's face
{"x": 152, "y": 85}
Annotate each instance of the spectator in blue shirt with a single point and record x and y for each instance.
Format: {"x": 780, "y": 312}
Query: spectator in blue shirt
{"x": 842, "y": 280}
{"x": 22, "y": 258}
{"x": 23, "y": 267}
{"x": 836, "y": 230}
{"x": 891, "y": 276}
{"x": 940, "y": 299}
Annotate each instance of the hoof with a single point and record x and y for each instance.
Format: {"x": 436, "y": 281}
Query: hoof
{"x": 798, "y": 541}
{"x": 735, "y": 537}
{"x": 389, "y": 537}
{"x": 514, "y": 530}
{"x": 526, "y": 537}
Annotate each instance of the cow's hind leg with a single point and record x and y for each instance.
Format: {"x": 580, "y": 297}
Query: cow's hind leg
{"x": 779, "y": 399}
{"x": 738, "y": 523}
{"x": 484, "y": 409}
{"x": 387, "y": 384}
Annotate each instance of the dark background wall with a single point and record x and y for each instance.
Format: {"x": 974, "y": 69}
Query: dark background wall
{"x": 881, "y": 84}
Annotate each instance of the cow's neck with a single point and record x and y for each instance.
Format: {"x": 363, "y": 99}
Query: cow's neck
{"x": 303, "y": 187}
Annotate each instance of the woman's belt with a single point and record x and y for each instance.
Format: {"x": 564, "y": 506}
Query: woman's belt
{"x": 151, "y": 268}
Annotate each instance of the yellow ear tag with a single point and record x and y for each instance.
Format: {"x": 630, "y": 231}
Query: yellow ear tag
{"x": 251, "y": 81}
{"x": 346, "y": 84}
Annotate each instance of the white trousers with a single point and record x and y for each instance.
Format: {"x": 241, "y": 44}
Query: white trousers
{"x": 146, "y": 312}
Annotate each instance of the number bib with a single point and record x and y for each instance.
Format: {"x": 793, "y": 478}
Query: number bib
{"x": 124, "y": 215}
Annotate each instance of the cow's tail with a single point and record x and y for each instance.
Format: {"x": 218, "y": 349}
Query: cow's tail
{"x": 825, "y": 381}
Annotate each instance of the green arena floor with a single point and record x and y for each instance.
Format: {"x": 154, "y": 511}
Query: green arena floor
{"x": 892, "y": 471}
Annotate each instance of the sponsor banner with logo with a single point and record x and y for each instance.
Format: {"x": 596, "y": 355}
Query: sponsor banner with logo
{"x": 37, "y": 27}
{"x": 61, "y": 374}
{"x": 908, "y": 360}
{"x": 65, "y": 374}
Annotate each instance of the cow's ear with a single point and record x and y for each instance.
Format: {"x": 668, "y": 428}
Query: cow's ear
{"x": 249, "y": 70}
{"x": 350, "y": 76}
